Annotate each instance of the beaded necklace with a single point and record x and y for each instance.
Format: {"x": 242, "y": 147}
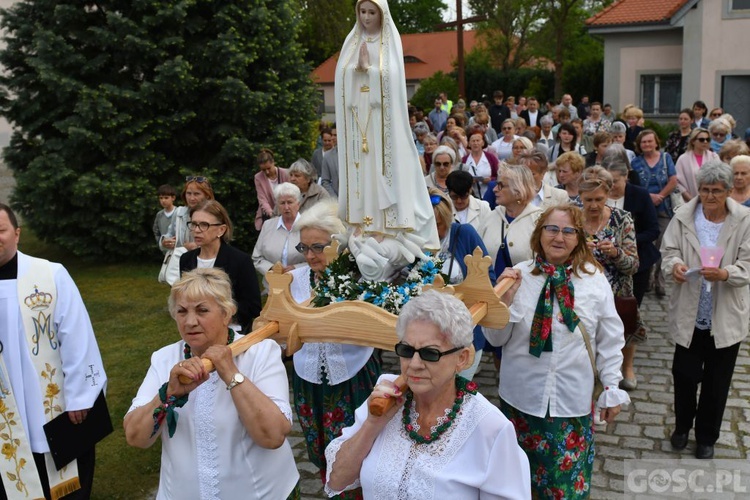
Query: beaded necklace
{"x": 188, "y": 353}
{"x": 462, "y": 387}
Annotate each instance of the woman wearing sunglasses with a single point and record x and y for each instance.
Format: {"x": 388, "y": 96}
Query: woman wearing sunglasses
{"x": 442, "y": 439}
{"x": 689, "y": 163}
{"x": 329, "y": 380}
{"x": 560, "y": 298}
{"x": 211, "y": 229}
{"x": 442, "y": 165}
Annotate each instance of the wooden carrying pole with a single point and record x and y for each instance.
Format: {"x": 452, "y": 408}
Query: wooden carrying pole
{"x": 380, "y": 406}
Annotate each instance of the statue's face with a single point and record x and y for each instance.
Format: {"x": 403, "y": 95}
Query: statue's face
{"x": 369, "y": 17}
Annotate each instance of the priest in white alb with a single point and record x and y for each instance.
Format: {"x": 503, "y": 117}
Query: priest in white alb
{"x": 49, "y": 365}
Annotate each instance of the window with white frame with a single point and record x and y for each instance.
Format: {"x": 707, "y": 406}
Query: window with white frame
{"x": 661, "y": 94}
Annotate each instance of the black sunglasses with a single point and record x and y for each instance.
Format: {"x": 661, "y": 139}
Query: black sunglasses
{"x": 426, "y": 353}
{"x": 315, "y": 248}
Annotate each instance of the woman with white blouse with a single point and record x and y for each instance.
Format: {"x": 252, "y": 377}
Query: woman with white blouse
{"x": 504, "y": 145}
{"x": 329, "y": 380}
{"x": 481, "y": 165}
{"x": 230, "y": 438}
{"x": 279, "y": 236}
{"x": 442, "y": 439}
{"x": 546, "y": 378}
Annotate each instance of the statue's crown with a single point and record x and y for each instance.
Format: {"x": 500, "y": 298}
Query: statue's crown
{"x": 38, "y": 300}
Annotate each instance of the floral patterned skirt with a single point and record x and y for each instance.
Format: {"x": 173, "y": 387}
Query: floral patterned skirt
{"x": 560, "y": 451}
{"x": 324, "y": 410}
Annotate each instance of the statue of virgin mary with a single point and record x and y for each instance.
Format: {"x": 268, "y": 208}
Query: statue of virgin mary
{"x": 382, "y": 193}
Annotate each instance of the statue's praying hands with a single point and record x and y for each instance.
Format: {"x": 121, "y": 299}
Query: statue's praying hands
{"x": 364, "y": 58}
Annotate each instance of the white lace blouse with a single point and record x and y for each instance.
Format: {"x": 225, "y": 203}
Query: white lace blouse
{"x": 211, "y": 456}
{"x": 477, "y": 457}
{"x": 339, "y": 361}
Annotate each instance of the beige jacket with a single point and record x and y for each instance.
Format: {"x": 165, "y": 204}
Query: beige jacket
{"x": 517, "y": 233}
{"x": 731, "y": 298}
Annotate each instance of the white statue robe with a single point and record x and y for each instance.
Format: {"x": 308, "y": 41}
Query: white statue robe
{"x": 381, "y": 190}
{"x": 81, "y": 360}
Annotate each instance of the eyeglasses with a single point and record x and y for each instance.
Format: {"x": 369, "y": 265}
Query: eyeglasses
{"x": 703, "y": 139}
{"x": 455, "y": 196}
{"x": 316, "y": 248}
{"x": 441, "y": 163}
{"x": 425, "y": 354}
{"x": 507, "y": 128}
{"x": 715, "y": 115}
{"x": 435, "y": 199}
{"x": 203, "y": 226}
{"x": 567, "y": 232}
{"x": 196, "y": 178}
{"x": 500, "y": 186}
{"x": 711, "y": 192}
{"x": 718, "y": 134}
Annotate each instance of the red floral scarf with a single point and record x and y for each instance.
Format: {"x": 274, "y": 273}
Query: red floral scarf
{"x": 558, "y": 284}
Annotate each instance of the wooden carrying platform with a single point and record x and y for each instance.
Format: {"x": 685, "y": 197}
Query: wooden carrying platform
{"x": 362, "y": 323}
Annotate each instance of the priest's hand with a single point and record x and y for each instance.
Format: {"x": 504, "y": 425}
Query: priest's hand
{"x": 78, "y": 416}
{"x": 191, "y": 368}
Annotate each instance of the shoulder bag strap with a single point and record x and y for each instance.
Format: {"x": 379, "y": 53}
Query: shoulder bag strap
{"x": 587, "y": 341}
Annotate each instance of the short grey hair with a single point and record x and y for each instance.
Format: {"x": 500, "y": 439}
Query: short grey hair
{"x": 287, "y": 189}
{"x": 421, "y": 128}
{"x": 302, "y": 166}
{"x": 445, "y": 311}
{"x": 323, "y": 216}
{"x": 445, "y": 150}
{"x": 202, "y": 283}
{"x": 617, "y": 128}
{"x": 713, "y": 172}
{"x": 547, "y": 120}
{"x": 615, "y": 154}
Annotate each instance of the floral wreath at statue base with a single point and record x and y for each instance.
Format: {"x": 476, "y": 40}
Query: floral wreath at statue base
{"x": 341, "y": 281}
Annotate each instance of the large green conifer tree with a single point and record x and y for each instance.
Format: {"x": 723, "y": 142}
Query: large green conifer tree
{"x": 112, "y": 98}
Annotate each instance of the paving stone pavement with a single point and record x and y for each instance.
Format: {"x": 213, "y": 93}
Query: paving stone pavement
{"x": 640, "y": 431}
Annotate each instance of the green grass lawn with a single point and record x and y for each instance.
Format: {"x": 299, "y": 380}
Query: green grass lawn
{"x": 128, "y": 309}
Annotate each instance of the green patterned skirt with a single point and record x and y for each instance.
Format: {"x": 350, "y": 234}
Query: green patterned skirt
{"x": 324, "y": 410}
{"x": 560, "y": 451}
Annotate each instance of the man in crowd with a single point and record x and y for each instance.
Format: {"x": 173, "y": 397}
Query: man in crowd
{"x": 531, "y": 114}
{"x": 567, "y": 101}
{"x": 329, "y": 178}
{"x": 49, "y": 366}
{"x": 438, "y": 116}
{"x": 317, "y": 158}
{"x": 499, "y": 112}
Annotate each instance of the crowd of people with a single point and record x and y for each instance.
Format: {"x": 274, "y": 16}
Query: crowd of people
{"x": 575, "y": 210}
{"x": 584, "y": 210}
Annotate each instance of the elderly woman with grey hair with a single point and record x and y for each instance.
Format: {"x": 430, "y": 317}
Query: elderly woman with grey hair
{"x": 279, "y": 236}
{"x": 721, "y": 131}
{"x": 708, "y": 308}
{"x": 329, "y": 380}
{"x": 303, "y": 175}
{"x": 452, "y": 442}
{"x": 442, "y": 164}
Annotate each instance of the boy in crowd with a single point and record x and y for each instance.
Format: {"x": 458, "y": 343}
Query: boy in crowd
{"x": 167, "y": 195}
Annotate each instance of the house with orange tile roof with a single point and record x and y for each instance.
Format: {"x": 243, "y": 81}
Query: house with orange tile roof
{"x": 424, "y": 55}
{"x": 663, "y": 55}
